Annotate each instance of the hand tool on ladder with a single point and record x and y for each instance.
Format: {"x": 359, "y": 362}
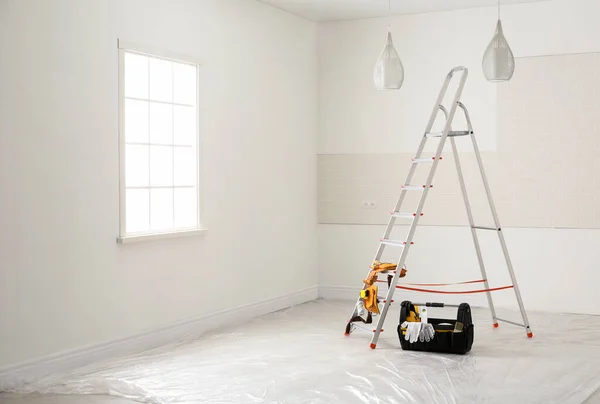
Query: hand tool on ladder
{"x": 405, "y": 244}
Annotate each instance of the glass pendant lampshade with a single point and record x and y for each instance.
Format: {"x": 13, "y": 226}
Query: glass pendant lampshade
{"x": 389, "y": 71}
{"x": 498, "y": 60}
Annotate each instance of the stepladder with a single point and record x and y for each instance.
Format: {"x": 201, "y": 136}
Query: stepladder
{"x": 371, "y": 317}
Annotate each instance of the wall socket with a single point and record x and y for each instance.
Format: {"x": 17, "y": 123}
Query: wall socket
{"x": 369, "y": 204}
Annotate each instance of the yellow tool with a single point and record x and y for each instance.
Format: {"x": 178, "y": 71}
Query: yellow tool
{"x": 369, "y": 293}
{"x": 370, "y": 299}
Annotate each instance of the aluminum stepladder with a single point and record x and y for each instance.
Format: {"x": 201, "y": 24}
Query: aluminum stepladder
{"x": 396, "y": 213}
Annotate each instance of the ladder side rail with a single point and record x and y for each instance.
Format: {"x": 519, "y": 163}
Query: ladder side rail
{"x": 423, "y": 198}
{"x": 442, "y": 93}
{"x": 497, "y": 224}
{"x": 398, "y": 205}
{"x": 465, "y": 196}
{"x": 437, "y": 107}
{"x": 444, "y": 110}
{"x": 392, "y": 221}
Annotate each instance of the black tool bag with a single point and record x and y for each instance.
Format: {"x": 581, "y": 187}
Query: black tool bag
{"x": 451, "y": 336}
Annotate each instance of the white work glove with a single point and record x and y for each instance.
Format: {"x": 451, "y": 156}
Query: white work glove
{"x": 423, "y": 332}
{"x": 427, "y": 332}
{"x": 360, "y": 308}
{"x": 413, "y": 329}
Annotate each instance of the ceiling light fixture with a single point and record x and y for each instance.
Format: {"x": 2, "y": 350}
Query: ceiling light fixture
{"x": 389, "y": 71}
{"x": 498, "y": 60}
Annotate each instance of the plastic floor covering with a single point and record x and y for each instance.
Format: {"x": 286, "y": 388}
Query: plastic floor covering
{"x": 300, "y": 355}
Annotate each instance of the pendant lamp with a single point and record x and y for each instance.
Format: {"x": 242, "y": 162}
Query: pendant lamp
{"x": 389, "y": 71}
{"x": 498, "y": 60}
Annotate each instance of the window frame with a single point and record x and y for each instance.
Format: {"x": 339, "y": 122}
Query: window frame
{"x": 171, "y": 233}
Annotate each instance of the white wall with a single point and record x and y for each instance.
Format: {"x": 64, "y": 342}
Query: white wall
{"x": 355, "y": 118}
{"x": 555, "y": 266}
{"x": 64, "y": 281}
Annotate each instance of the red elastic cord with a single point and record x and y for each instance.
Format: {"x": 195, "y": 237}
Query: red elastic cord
{"x": 445, "y": 284}
{"x": 454, "y": 293}
{"x": 441, "y": 284}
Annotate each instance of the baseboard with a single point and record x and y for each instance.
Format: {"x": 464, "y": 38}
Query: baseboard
{"x": 338, "y": 292}
{"x": 16, "y": 376}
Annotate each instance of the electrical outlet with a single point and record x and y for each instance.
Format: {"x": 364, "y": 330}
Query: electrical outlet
{"x": 369, "y": 204}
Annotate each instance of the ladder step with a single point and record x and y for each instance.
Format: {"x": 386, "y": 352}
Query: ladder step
{"x": 424, "y": 160}
{"x": 394, "y": 242}
{"x": 511, "y": 322}
{"x": 451, "y": 133}
{"x": 405, "y": 215}
{"x": 414, "y": 187}
{"x": 486, "y": 228}
{"x": 363, "y": 328}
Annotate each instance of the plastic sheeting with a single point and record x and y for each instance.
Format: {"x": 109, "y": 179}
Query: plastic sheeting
{"x": 300, "y": 355}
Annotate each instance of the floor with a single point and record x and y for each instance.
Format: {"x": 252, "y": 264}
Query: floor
{"x": 300, "y": 355}
{"x": 9, "y": 398}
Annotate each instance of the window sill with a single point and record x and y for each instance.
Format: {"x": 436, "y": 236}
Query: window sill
{"x": 159, "y": 236}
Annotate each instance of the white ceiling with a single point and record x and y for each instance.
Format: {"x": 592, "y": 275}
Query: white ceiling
{"x": 333, "y": 10}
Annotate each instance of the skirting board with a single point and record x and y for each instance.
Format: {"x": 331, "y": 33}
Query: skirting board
{"x": 15, "y": 376}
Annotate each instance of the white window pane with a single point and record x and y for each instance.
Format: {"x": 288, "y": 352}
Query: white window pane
{"x": 137, "y": 210}
{"x": 161, "y": 123}
{"x": 136, "y": 75}
{"x": 161, "y": 80}
{"x": 185, "y": 125}
{"x": 136, "y": 121}
{"x": 161, "y": 166}
{"x": 185, "y": 166}
{"x": 186, "y": 208}
{"x": 184, "y": 82}
{"x": 137, "y": 170}
{"x": 161, "y": 209}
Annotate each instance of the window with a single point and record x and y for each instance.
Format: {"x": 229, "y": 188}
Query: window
{"x": 159, "y": 145}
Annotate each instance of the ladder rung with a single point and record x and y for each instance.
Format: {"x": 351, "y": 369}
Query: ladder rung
{"x": 424, "y": 160}
{"x": 405, "y": 215}
{"x": 510, "y": 322}
{"x": 363, "y": 328}
{"x": 451, "y": 133}
{"x": 414, "y": 187}
{"x": 486, "y": 228}
{"x": 394, "y": 242}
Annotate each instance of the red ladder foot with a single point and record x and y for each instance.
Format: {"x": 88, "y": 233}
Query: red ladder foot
{"x": 373, "y": 346}
{"x": 529, "y": 335}
{"x": 495, "y": 325}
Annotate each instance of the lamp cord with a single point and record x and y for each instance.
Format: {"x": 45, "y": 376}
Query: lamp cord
{"x": 389, "y": 15}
